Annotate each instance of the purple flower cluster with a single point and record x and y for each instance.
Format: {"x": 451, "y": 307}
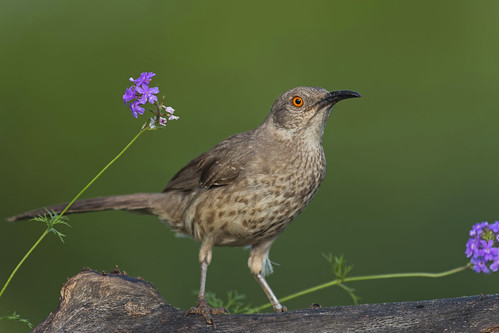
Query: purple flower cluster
{"x": 483, "y": 247}
{"x": 139, "y": 93}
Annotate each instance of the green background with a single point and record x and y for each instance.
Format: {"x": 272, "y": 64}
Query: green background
{"x": 411, "y": 165}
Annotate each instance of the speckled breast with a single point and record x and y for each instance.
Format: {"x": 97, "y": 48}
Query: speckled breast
{"x": 259, "y": 207}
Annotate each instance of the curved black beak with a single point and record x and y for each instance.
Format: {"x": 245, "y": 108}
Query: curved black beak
{"x": 335, "y": 96}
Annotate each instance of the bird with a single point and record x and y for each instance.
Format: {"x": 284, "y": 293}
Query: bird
{"x": 242, "y": 192}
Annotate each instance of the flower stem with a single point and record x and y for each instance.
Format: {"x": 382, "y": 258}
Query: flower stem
{"x": 101, "y": 172}
{"x": 363, "y": 278}
{"x": 65, "y": 210}
{"x": 24, "y": 259}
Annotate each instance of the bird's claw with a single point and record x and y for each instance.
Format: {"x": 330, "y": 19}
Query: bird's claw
{"x": 206, "y": 311}
{"x": 281, "y": 309}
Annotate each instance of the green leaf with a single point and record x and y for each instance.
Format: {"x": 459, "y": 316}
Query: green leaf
{"x": 233, "y": 304}
{"x": 51, "y": 219}
{"x": 351, "y": 292}
{"x": 15, "y": 316}
{"x": 338, "y": 265}
{"x": 340, "y": 270}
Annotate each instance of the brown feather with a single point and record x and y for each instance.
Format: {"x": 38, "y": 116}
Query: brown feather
{"x": 219, "y": 166}
{"x": 138, "y": 203}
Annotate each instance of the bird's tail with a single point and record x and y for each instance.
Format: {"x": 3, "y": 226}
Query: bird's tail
{"x": 145, "y": 203}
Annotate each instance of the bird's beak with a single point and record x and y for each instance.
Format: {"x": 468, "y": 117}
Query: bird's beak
{"x": 335, "y": 96}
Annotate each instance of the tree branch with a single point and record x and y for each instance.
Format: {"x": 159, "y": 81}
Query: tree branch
{"x": 97, "y": 302}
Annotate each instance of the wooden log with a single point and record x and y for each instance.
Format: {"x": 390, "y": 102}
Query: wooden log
{"x": 98, "y": 302}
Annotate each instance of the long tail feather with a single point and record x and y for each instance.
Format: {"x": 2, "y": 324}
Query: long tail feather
{"x": 139, "y": 202}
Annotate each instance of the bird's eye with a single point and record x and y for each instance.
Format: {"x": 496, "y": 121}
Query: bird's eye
{"x": 297, "y": 101}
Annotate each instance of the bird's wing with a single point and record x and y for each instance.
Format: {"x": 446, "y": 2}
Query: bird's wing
{"x": 219, "y": 166}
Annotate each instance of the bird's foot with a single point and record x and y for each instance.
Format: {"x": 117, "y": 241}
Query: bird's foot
{"x": 206, "y": 311}
{"x": 280, "y": 308}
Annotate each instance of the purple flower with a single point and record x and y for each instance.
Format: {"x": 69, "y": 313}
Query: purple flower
{"x": 136, "y": 109}
{"x": 495, "y": 265}
{"x": 471, "y": 247}
{"x": 483, "y": 247}
{"x": 129, "y": 94}
{"x": 479, "y": 265}
{"x": 488, "y": 251}
{"x": 477, "y": 228}
{"x": 140, "y": 93}
{"x": 148, "y": 94}
{"x": 144, "y": 78}
{"x": 494, "y": 227}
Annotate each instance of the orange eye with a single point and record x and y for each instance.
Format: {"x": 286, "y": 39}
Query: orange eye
{"x": 297, "y": 101}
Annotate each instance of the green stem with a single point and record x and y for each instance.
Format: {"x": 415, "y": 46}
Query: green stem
{"x": 24, "y": 259}
{"x": 67, "y": 207}
{"x": 363, "y": 278}
{"x": 101, "y": 172}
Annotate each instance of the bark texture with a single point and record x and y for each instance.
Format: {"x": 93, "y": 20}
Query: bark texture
{"x": 97, "y": 302}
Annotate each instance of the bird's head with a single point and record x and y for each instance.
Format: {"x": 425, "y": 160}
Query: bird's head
{"x": 303, "y": 111}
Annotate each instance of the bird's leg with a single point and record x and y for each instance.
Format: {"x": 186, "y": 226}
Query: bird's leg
{"x": 278, "y": 307}
{"x": 259, "y": 264}
{"x": 202, "y": 307}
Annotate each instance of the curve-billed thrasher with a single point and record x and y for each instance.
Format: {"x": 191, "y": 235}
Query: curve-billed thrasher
{"x": 245, "y": 190}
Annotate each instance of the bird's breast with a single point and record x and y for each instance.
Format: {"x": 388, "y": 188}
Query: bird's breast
{"x": 258, "y": 205}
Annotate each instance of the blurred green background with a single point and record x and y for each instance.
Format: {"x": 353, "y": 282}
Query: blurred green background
{"x": 411, "y": 165}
